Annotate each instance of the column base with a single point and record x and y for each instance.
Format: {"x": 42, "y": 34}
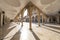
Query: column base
{"x": 38, "y": 25}
{"x": 30, "y": 28}
{"x": 22, "y": 25}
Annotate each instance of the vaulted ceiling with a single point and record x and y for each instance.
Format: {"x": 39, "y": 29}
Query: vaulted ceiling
{"x": 13, "y": 7}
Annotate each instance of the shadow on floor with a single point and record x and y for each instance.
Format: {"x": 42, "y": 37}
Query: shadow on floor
{"x": 58, "y": 28}
{"x": 6, "y": 31}
{"x": 51, "y": 30}
{"x": 35, "y": 36}
{"x": 17, "y": 35}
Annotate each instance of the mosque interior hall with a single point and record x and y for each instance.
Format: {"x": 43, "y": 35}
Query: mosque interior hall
{"x": 29, "y": 19}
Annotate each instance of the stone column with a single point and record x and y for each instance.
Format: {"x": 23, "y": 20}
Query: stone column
{"x": 16, "y": 19}
{"x": 38, "y": 14}
{"x": 1, "y": 24}
{"x": 22, "y": 17}
{"x": 19, "y": 19}
{"x": 2, "y": 14}
{"x": 0, "y": 27}
{"x": 0, "y": 19}
{"x": 42, "y": 19}
{"x": 57, "y": 19}
{"x": 3, "y": 17}
{"x": 34, "y": 18}
{"x": 30, "y": 16}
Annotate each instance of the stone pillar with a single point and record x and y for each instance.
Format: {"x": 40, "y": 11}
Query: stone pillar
{"x": 38, "y": 14}
{"x": 57, "y": 19}
{"x": 16, "y": 19}
{"x": 22, "y": 18}
{"x": 2, "y": 14}
{"x": 19, "y": 19}
{"x": 1, "y": 23}
{"x": 30, "y": 16}
{"x": 3, "y": 17}
{"x": 51, "y": 19}
{"x": 42, "y": 19}
{"x": 34, "y": 19}
{"x": 0, "y": 19}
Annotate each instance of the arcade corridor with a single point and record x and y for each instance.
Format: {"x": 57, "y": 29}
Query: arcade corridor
{"x": 14, "y": 31}
{"x": 29, "y": 19}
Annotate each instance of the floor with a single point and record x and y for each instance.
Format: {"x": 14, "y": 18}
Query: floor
{"x": 14, "y": 31}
